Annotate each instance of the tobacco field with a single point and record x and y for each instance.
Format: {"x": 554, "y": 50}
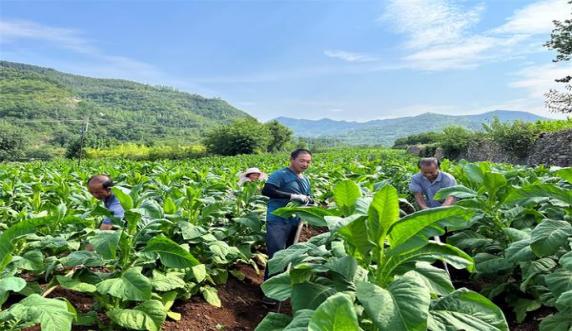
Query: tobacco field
{"x": 368, "y": 261}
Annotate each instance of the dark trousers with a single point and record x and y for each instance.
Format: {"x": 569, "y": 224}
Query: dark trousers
{"x": 280, "y": 234}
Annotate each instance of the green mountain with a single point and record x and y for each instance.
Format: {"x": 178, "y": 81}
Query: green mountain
{"x": 52, "y": 107}
{"x": 384, "y": 132}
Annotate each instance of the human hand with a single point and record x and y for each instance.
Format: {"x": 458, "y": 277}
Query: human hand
{"x": 106, "y": 226}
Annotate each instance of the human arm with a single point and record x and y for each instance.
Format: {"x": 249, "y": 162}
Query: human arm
{"x": 420, "y": 199}
{"x": 417, "y": 191}
{"x": 273, "y": 192}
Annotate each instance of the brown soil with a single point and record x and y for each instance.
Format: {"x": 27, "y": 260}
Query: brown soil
{"x": 82, "y": 302}
{"x": 309, "y": 231}
{"x": 242, "y": 307}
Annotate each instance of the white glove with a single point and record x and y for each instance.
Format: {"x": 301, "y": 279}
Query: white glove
{"x": 300, "y": 198}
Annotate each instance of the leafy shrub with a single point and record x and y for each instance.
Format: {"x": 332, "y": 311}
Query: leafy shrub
{"x": 421, "y": 138}
{"x": 246, "y": 136}
{"x": 455, "y": 140}
{"x": 515, "y": 137}
{"x": 141, "y": 152}
{"x": 12, "y": 142}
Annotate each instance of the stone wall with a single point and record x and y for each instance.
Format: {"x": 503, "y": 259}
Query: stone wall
{"x": 488, "y": 150}
{"x": 552, "y": 149}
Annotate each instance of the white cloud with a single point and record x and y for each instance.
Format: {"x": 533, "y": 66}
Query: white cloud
{"x": 536, "y": 18}
{"x": 539, "y": 79}
{"x": 336, "y": 110}
{"x": 94, "y": 61}
{"x": 430, "y": 22}
{"x": 439, "y": 32}
{"x": 349, "y": 56}
{"x": 11, "y": 31}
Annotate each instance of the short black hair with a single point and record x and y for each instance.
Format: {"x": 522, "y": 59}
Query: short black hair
{"x": 299, "y": 151}
{"x": 428, "y": 161}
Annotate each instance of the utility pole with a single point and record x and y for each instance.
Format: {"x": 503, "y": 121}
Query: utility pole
{"x": 83, "y": 132}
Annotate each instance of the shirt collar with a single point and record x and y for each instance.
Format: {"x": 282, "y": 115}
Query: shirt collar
{"x": 109, "y": 199}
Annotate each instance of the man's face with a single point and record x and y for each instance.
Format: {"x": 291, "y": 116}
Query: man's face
{"x": 98, "y": 191}
{"x": 301, "y": 162}
{"x": 254, "y": 176}
{"x": 430, "y": 171}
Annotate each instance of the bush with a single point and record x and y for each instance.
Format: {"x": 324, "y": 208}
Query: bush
{"x": 13, "y": 142}
{"x": 418, "y": 139}
{"x": 141, "y": 152}
{"x": 245, "y": 136}
{"x": 455, "y": 140}
{"x": 515, "y": 138}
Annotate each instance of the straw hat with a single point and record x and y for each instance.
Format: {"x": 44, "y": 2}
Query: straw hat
{"x": 244, "y": 178}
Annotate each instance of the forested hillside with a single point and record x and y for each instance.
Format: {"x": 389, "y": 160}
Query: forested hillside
{"x": 52, "y": 108}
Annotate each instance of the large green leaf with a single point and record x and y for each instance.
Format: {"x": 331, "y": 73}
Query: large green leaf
{"x": 86, "y": 258}
{"x": 549, "y": 236}
{"x": 152, "y": 209}
{"x": 559, "y": 282}
{"x": 564, "y": 301}
{"x": 540, "y": 191}
{"x": 311, "y": 215}
{"x": 10, "y": 283}
{"x": 565, "y": 173}
{"x": 167, "y": 282}
{"x": 52, "y": 314}
{"x": 31, "y": 260}
{"x": 465, "y": 310}
{"x": 383, "y": 212}
{"x": 356, "y": 234}
{"x": 436, "y": 279}
{"x": 474, "y": 173}
{"x": 132, "y": 285}
{"x": 404, "y": 305}
{"x": 566, "y": 261}
{"x": 122, "y": 194}
{"x": 171, "y": 254}
{"x": 458, "y": 191}
{"x": 282, "y": 258}
{"x": 432, "y": 251}
{"x": 346, "y": 193}
{"x": 211, "y": 296}
{"x": 300, "y": 320}
{"x": 278, "y": 287}
{"x": 8, "y": 237}
{"x": 199, "y": 272}
{"x": 412, "y": 225}
{"x": 493, "y": 182}
{"x": 274, "y": 322}
{"x": 337, "y": 313}
{"x": 520, "y": 251}
{"x": 105, "y": 243}
{"x": 490, "y": 264}
{"x": 345, "y": 266}
{"x": 309, "y": 295}
{"x": 75, "y": 284}
{"x": 557, "y": 322}
{"x": 522, "y": 306}
{"x": 149, "y": 315}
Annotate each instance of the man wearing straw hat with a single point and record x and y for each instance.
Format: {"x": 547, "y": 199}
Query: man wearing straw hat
{"x": 285, "y": 185}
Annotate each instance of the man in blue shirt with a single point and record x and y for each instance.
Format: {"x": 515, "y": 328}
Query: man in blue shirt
{"x": 100, "y": 187}
{"x": 285, "y": 185}
{"x": 428, "y": 181}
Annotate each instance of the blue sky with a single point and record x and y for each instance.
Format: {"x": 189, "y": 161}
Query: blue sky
{"x": 346, "y": 60}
